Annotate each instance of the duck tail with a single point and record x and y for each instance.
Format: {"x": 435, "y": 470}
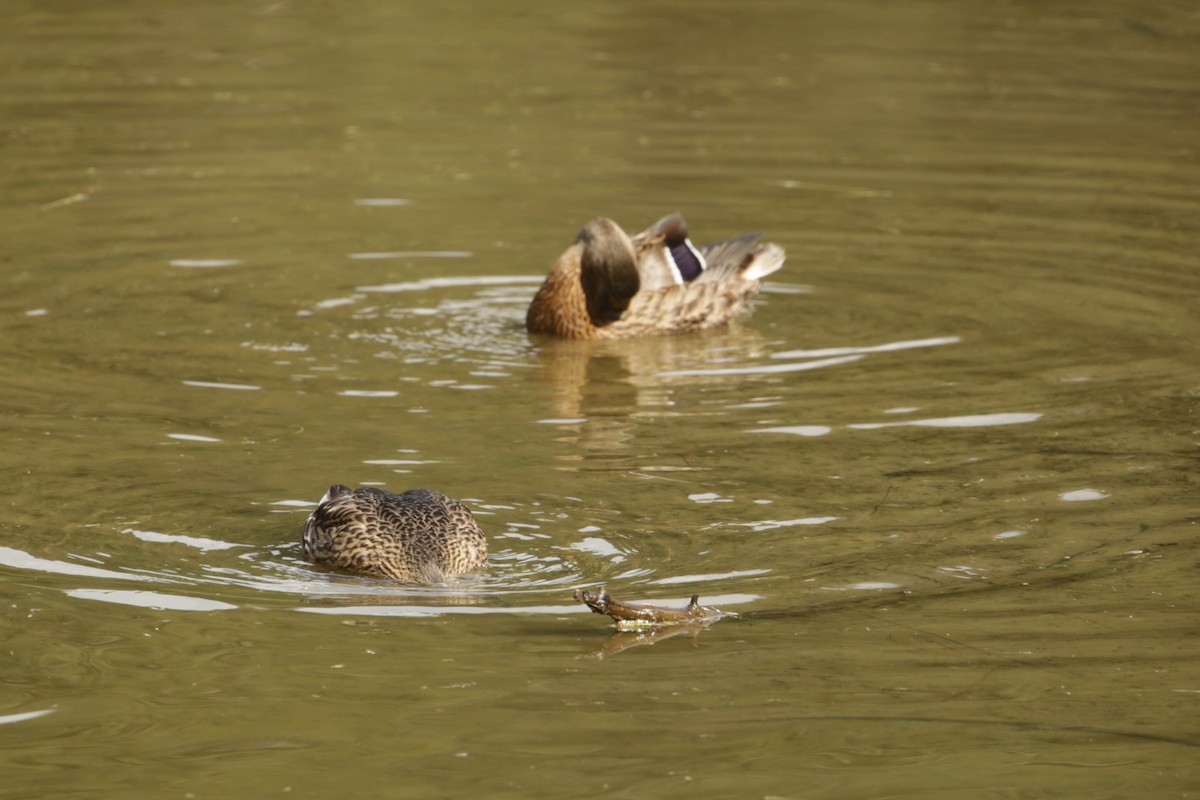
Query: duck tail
{"x": 763, "y": 262}
{"x": 742, "y": 257}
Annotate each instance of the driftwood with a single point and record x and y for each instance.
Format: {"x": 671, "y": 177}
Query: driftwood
{"x": 638, "y": 616}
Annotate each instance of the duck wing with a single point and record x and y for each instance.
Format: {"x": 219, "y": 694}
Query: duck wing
{"x": 666, "y": 257}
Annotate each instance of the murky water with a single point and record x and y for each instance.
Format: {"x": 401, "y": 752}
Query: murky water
{"x": 946, "y": 473}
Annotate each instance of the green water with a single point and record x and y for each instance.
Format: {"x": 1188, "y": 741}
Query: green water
{"x": 946, "y": 473}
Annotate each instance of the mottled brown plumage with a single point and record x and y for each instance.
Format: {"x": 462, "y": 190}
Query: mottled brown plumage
{"x": 420, "y": 536}
{"x": 610, "y": 286}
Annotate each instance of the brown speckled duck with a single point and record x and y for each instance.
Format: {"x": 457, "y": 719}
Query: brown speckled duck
{"x": 610, "y": 286}
{"x": 420, "y": 536}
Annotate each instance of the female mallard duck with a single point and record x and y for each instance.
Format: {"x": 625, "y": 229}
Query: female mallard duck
{"x": 610, "y": 286}
{"x": 420, "y": 536}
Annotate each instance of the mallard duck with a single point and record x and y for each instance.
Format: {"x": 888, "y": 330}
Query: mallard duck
{"x": 420, "y": 536}
{"x": 610, "y": 286}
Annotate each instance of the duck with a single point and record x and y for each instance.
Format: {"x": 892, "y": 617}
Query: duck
{"x": 420, "y": 536}
{"x": 609, "y": 285}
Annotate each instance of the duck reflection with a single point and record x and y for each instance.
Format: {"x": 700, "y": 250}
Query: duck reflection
{"x": 602, "y": 391}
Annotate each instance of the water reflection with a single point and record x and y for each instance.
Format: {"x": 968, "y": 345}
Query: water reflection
{"x": 709, "y": 578}
{"x": 391, "y": 254}
{"x": 204, "y": 263}
{"x": 191, "y": 541}
{"x": 887, "y": 347}
{"x": 603, "y": 391}
{"x": 10, "y": 718}
{"x": 1021, "y": 175}
{"x": 192, "y": 437}
{"x": 154, "y": 600}
{"x": 524, "y": 560}
{"x": 216, "y": 385}
{"x": 510, "y": 574}
{"x": 965, "y": 421}
{"x": 435, "y": 610}
{"x": 765, "y": 369}
{"x": 382, "y": 202}
{"x": 621, "y": 641}
{"x": 1082, "y": 495}
{"x": 18, "y": 559}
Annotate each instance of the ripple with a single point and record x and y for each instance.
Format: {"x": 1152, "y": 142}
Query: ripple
{"x": 213, "y": 385}
{"x": 389, "y": 254}
{"x": 712, "y": 576}
{"x": 12, "y": 557}
{"x": 335, "y": 302}
{"x": 598, "y": 546}
{"x": 961, "y": 571}
{"x": 5, "y": 719}
{"x": 819, "y": 359}
{"x": 864, "y": 586}
{"x": 1082, "y": 495}
{"x": 289, "y": 347}
{"x": 383, "y": 202}
{"x": 190, "y": 541}
{"x": 967, "y": 421}
{"x": 709, "y": 497}
{"x": 155, "y": 600}
{"x": 1009, "y": 534}
{"x": 552, "y": 610}
{"x": 441, "y": 611}
{"x": 798, "y": 430}
{"x": 772, "y": 524}
{"x": 450, "y": 282}
{"x": 204, "y": 263}
{"x": 762, "y": 369}
{"x": 878, "y": 348}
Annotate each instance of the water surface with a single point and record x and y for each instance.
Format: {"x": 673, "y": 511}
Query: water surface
{"x": 945, "y": 474}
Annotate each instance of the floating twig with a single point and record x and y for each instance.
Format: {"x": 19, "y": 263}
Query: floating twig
{"x": 636, "y": 616}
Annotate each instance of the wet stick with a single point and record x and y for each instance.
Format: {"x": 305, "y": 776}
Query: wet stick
{"x": 631, "y": 616}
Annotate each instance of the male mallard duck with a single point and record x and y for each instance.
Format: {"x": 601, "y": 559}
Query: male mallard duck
{"x": 609, "y": 286}
{"x": 420, "y": 536}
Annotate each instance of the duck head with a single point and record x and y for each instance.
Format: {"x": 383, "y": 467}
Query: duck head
{"x": 607, "y": 270}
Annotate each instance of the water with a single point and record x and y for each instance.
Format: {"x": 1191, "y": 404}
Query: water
{"x": 946, "y": 474}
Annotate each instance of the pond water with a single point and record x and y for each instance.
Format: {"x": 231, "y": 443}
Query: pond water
{"x": 946, "y": 474}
